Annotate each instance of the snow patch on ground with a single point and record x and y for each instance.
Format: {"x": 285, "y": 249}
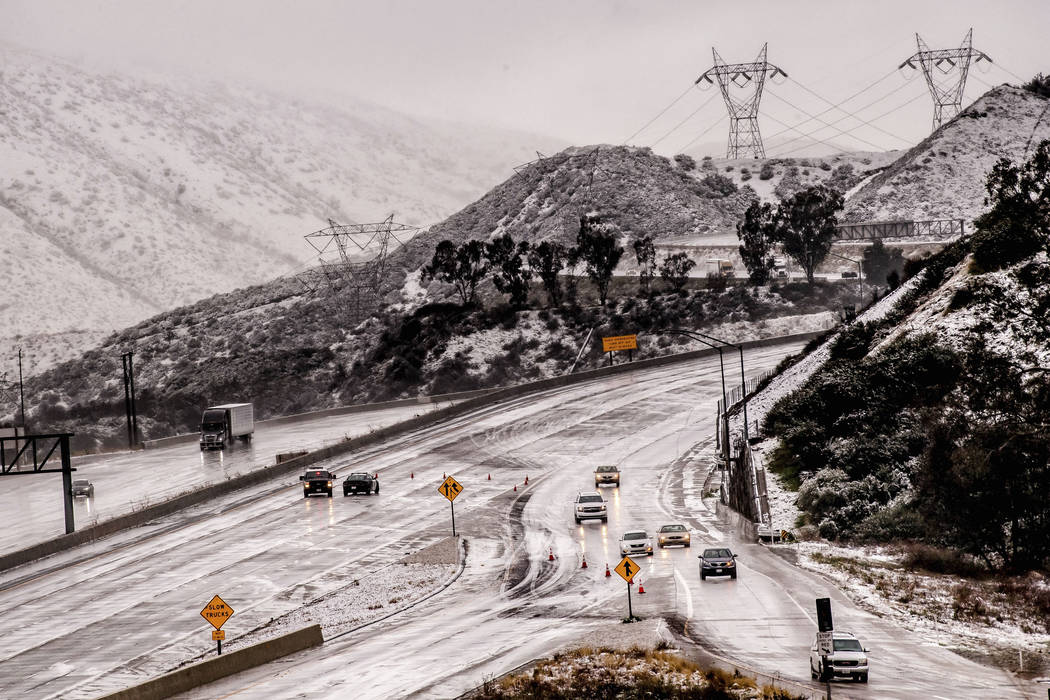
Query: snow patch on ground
{"x": 933, "y": 605}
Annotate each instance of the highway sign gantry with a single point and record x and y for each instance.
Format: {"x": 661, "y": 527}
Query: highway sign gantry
{"x": 217, "y": 612}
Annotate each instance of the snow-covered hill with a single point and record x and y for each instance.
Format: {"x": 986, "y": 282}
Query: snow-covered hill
{"x": 943, "y": 177}
{"x": 120, "y": 198}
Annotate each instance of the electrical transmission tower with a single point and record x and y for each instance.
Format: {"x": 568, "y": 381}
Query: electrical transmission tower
{"x": 741, "y": 85}
{"x": 945, "y": 71}
{"x": 353, "y": 257}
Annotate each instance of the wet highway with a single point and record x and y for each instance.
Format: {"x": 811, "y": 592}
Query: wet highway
{"x": 126, "y": 609}
{"x": 126, "y": 481}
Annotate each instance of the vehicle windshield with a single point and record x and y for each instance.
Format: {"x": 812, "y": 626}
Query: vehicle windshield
{"x": 213, "y": 420}
{"x": 591, "y": 499}
{"x": 673, "y": 528}
{"x": 606, "y": 469}
{"x": 359, "y": 477}
{"x": 80, "y": 482}
{"x": 717, "y": 554}
{"x": 317, "y": 475}
{"x": 634, "y": 535}
{"x": 848, "y": 645}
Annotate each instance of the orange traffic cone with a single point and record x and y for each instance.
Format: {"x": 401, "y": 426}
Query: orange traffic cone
{"x": 490, "y": 477}
{"x": 444, "y": 475}
{"x": 526, "y": 479}
{"x": 515, "y": 488}
{"x": 607, "y": 572}
{"x": 376, "y": 475}
{"x": 584, "y": 562}
{"x": 412, "y": 475}
{"x": 641, "y": 588}
{"x": 550, "y": 557}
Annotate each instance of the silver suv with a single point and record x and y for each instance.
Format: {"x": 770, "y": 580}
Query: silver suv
{"x": 589, "y": 504}
{"x": 849, "y": 659}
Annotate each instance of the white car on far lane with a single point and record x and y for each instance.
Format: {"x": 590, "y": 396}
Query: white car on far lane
{"x": 636, "y": 542}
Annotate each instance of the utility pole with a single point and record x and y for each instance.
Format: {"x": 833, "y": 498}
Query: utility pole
{"x": 21, "y": 391}
{"x": 744, "y": 136}
{"x": 945, "y": 71}
{"x": 129, "y": 399}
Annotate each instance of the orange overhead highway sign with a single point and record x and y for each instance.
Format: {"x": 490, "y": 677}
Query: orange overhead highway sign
{"x": 217, "y": 612}
{"x": 627, "y": 569}
{"x": 620, "y": 342}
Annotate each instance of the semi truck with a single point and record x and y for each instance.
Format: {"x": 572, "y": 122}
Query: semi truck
{"x": 221, "y": 424}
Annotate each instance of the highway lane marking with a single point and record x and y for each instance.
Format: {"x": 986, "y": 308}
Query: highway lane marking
{"x": 688, "y": 594}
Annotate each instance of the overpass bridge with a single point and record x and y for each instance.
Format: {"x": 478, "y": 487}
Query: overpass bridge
{"x": 939, "y": 229}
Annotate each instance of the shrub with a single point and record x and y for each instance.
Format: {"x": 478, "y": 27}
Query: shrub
{"x": 766, "y": 172}
{"x": 853, "y": 343}
{"x": 994, "y": 249}
{"x": 685, "y": 162}
{"x": 717, "y": 185}
{"x": 918, "y": 556}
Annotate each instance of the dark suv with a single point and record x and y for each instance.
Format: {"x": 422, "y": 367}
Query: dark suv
{"x": 317, "y": 481}
{"x": 717, "y": 561}
{"x": 360, "y": 482}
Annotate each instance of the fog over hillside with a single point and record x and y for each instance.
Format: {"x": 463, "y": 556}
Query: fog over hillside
{"x": 121, "y": 198}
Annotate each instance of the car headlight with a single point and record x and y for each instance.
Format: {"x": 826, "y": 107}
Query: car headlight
{"x": 329, "y": 484}
{"x": 863, "y": 661}
{"x": 729, "y": 564}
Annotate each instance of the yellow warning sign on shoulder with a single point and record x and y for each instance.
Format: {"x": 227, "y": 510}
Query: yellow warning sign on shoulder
{"x": 217, "y": 612}
{"x": 620, "y": 342}
{"x": 450, "y": 488}
{"x": 627, "y": 569}
{"x": 218, "y": 635}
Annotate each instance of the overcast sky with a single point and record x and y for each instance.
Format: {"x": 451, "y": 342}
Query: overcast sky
{"x": 584, "y": 72}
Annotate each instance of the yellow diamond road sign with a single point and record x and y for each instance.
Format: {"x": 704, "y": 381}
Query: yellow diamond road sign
{"x": 627, "y": 569}
{"x": 217, "y": 612}
{"x": 450, "y": 488}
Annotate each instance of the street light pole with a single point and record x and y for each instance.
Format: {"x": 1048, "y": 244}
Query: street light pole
{"x": 722, "y": 370}
{"x": 743, "y": 384}
{"x": 860, "y": 272}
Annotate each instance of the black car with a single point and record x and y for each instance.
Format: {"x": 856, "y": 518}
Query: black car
{"x": 717, "y": 561}
{"x": 317, "y": 481}
{"x": 83, "y": 487}
{"x": 360, "y": 482}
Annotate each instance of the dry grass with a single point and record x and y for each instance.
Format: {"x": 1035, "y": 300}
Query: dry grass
{"x": 588, "y": 673}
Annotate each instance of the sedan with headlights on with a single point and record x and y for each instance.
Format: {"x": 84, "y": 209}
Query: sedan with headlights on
{"x": 673, "y": 534}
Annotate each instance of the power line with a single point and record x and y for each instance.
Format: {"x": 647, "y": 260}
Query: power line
{"x": 662, "y": 112}
{"x": 702, "y": 134}
{"x": 841, "y": 132}
{"x": 876, "y": 101}
{"x": 920, "y": 96}
{"x": 691, "y": 115}
{"x": 844, "y": 111}
{"x": 810, "y": 136}
{"x": 843, "y": 118}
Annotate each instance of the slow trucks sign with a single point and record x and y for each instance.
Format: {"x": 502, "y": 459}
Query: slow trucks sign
{"x": 620, "y": 342}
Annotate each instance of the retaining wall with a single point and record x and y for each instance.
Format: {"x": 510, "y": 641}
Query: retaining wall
{"x": 490, "y": 396}
{"x": 221, "y": 666}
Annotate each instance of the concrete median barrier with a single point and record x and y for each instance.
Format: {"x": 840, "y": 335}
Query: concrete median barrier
{"x": 213, "y": 669}
{"x": 299, "y": 463}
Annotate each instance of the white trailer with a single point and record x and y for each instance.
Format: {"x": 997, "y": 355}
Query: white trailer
{"x": 220, "y": 424}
